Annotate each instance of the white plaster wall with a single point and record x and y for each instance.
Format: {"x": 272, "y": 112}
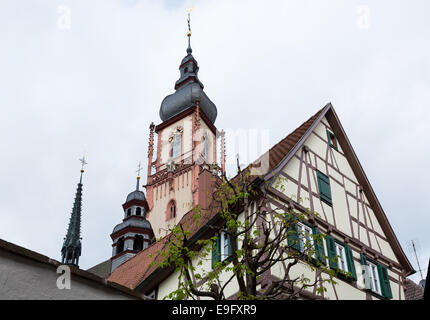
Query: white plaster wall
{"x": 24, "y": 279}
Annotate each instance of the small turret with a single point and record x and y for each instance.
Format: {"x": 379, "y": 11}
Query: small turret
{"x": 134, "y": 233}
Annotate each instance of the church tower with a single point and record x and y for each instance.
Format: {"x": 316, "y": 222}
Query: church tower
{"x": 135, "y": 233}
{"x": 71, "y": 250}
{"x": 182, "y": 175}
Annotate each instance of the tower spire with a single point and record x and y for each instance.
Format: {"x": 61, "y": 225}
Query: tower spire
{"x": 71, "y": 250}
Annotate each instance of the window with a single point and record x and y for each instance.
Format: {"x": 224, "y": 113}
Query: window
{"x": 341, "y": 259}
{"x": 225, "y": 246}
{"x": 128, "y": 212}
{"x": 332, "y": 141}
{"x": 341, "y": 262}
{"x": 171, "y": 210}
{"x": 221, "y": 248}
{"x": 138, "y": 211}
{"x": 205, "y": 148}
{"x": 176, "y": 145}
{"x": 376, "y": 277}
{"x": 324, "y": 187}
{"x": 138, "y": 243}
{"x": 305, "y": 237}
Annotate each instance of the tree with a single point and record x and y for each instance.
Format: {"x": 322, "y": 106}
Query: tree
{"x": 260, "y": 237}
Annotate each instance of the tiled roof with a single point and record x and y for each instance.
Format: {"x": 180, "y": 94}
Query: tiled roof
{"x": 283, "y": 147}
{"x": 131, "y": 273}
{"x": 413, "y": 291}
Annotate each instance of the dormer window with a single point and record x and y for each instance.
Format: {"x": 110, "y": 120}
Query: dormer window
{"x": 332, "y": 141}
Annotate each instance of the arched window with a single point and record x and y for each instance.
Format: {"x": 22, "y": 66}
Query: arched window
{"x": 176, "y": 145}
{"x": 120, "y": 245}
{"x": 128, "y": 212}
{"x": 138, "y": 243}
{"x": 171, "y": 210}
{"x": 138, "y": 211}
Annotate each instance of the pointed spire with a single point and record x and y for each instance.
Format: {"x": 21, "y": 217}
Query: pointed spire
{"x": 71, "y": 250}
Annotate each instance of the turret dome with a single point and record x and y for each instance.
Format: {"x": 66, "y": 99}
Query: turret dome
{"x": 188, "y": 90}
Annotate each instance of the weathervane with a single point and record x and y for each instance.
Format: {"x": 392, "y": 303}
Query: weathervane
{"x": 139, "y": 168}
{"x": 189, "y": 29}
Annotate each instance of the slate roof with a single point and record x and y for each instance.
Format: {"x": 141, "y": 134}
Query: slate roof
{"x": 102, "y": 269}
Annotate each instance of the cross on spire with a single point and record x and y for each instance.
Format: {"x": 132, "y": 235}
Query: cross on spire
{"x": 139, "y": 168}
{"x": 83, "y": 163}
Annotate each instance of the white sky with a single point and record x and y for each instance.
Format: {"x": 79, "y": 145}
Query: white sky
{"x": 267, "y": 65}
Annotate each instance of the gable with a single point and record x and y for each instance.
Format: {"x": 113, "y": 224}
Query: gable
{"x": 354, "y": 209}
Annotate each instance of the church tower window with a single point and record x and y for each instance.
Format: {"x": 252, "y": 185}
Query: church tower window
{"x": 138, "y": 211}
{"x": 176, "y": 145}
{"x": 128, "y": 212}
{"x": 171, "y": 210}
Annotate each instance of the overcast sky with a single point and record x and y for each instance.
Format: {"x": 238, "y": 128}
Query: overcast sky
{"x": 89, "y": 76}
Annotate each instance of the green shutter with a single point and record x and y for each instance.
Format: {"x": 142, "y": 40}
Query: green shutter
{"x": 319, "y": 246}
{"x": 384, "y": 281}
{"x": 216, "y": 250}
{"x": 292, "y": 236}
{"x": 332, "y": 255}
{"x": 350, "y": 261}
{"x": 324, "y": 187}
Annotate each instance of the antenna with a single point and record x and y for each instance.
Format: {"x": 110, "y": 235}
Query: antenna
{"x": 413, "y": 247}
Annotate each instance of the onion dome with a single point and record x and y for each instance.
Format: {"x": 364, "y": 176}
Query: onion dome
{"x": 188, "y": 90}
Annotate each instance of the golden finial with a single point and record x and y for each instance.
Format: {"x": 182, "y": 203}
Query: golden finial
{"x": 189, "y": 26}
